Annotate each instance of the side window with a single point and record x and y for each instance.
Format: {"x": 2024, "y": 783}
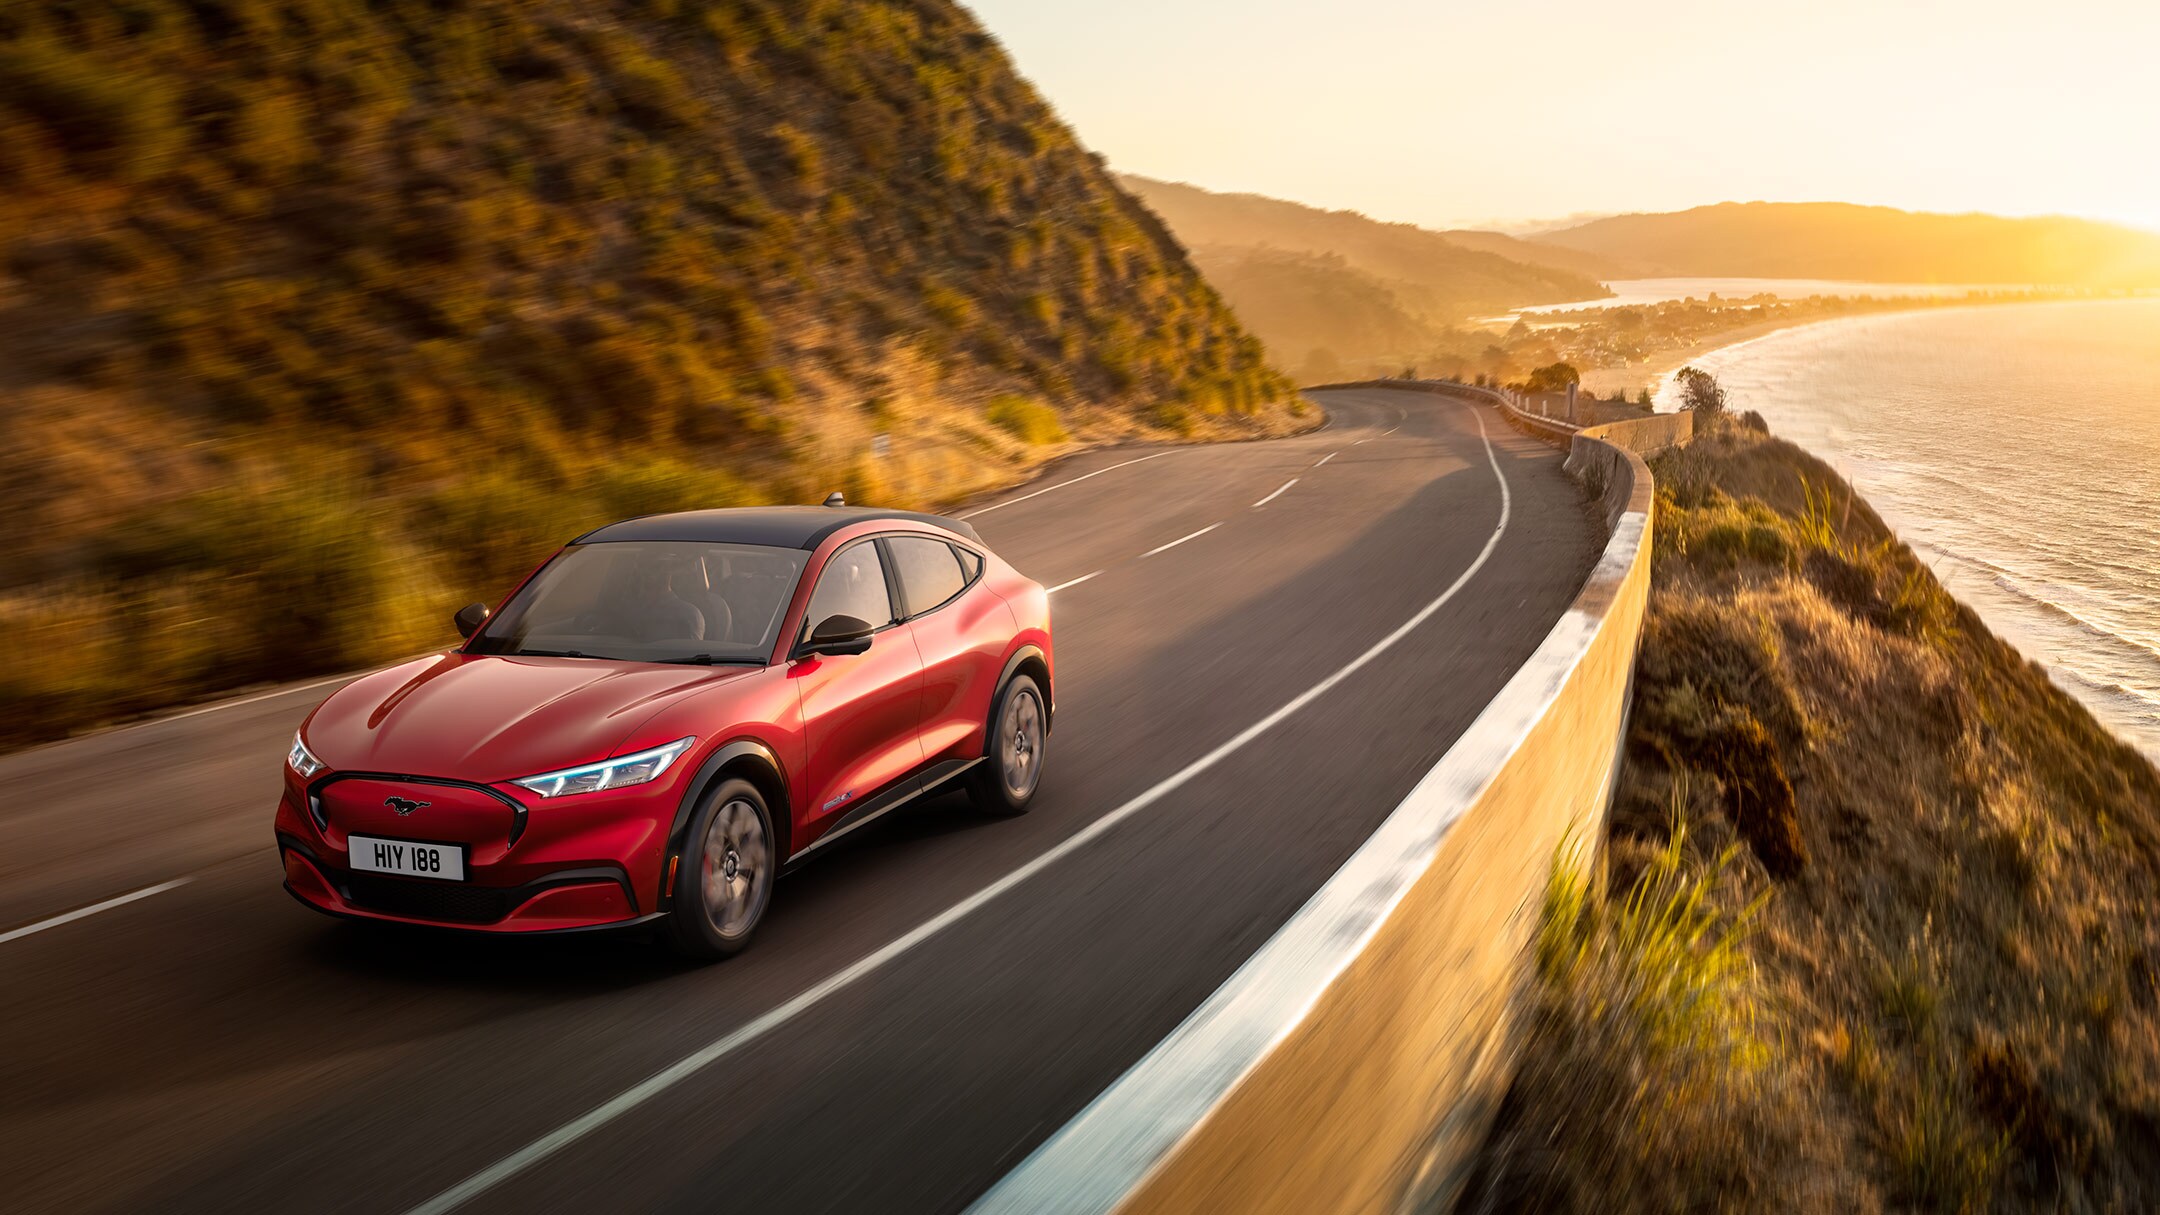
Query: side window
{"x": 853, "y": 584}
{"x": 970, "y": 564}
{"x": 929, "y": 572}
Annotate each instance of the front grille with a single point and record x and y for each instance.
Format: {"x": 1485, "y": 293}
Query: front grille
{"x": 424, "y": 900}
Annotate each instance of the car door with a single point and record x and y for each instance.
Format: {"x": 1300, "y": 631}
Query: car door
{"x": 961, "y": 630}
{"x": 862, "y": 713}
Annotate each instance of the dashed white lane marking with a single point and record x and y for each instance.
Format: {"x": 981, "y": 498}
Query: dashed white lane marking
{"x": 675, "y": 1073}
{"x": 1075, "y": 582}
{"x": 1164, "y": 548}
{"x": 1278, "y": 493}
{"x": 1324, "y": 459}
{"x": 1361, "y": 442}
{"x": 1060, "y": 485}
{"x": 91, "y": 910}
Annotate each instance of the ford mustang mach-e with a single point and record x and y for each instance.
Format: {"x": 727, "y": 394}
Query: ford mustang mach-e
{"x": 664, "y": 716}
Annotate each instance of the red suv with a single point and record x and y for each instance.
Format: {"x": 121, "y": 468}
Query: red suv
{"x": 667, "y": 714}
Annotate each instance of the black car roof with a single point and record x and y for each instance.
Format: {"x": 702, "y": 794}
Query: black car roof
{"x": 772, "y": 526}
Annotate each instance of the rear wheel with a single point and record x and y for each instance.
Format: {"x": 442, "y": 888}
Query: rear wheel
{"x": 725, "y": 878}
{"x": 1011, "y": 771}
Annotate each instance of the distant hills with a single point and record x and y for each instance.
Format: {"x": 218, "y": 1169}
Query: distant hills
{"x": 1869, "y": 244}
{"x": 1326, "y": 287}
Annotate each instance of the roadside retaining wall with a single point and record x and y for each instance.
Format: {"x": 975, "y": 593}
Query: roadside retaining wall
{"x": 1355, "y": 1062}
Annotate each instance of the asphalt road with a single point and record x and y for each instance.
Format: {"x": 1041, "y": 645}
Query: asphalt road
{"x": 920, "y": 1009}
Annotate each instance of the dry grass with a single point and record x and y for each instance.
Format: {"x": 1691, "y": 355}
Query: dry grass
{"x": 1955, "y": 983}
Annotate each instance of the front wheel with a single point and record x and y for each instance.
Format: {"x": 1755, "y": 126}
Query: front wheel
{"x": 1011, "y": 771}
{"x": 725, "y": 879}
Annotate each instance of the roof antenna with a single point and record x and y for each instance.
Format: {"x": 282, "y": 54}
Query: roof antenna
{"x": 835, "y": 499}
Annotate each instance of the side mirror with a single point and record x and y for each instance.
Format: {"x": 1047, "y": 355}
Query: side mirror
{"x": 469, "y": 618}
{"x": 838, "y": 635}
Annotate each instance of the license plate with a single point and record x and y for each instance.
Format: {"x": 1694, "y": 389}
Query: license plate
{"x": 406, "y": 858}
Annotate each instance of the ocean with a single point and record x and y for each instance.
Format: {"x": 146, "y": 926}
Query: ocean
{"x": 2017, "y": 449}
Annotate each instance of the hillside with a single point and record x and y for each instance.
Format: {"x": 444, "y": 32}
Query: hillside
{"x": 1433, "y": 276}
{"x": 320, "y": 318}
{"x": 1312, "y": 309}
{"x": 1529, "y": 251}
{"x": 1879, "y": 933}
{"x": 1869, "y": 244}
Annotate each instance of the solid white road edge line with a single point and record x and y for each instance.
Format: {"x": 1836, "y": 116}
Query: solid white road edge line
{"x": 1108, "y": 1151}
{"x": 1060, "y": 485}
{"x": 659, "y": 1082}
{"x": 1278, "y": 493}
{"x": 91, "y": 910}
{"x": 1164, "y": 548}
{"x": 1075, "y": 582}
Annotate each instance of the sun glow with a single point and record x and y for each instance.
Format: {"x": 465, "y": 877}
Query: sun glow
{"x": 1457, "y": 115}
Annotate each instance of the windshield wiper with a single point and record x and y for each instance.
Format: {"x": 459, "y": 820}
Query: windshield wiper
{"x": 547, "y": 654}
{"x": 707, "y": 660}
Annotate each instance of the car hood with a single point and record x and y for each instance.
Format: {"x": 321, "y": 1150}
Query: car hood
{"x": 489, "y": 718}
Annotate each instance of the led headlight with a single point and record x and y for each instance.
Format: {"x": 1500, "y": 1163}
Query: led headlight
{"x": 301, "y": 760}
{"x": 614, "y": 773}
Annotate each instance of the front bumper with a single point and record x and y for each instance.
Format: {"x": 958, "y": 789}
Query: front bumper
{"x": 570, "y": 901}
{"x": 562, "y": 867}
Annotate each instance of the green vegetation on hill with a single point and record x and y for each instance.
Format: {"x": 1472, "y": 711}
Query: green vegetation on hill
{"x": 1867, "y": 244}
{"x": 1880, "y": 931}
{"x": 1396, "y": 275}
{"x": 319, "y": 318}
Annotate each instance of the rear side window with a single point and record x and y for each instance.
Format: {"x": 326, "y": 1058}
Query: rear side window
{"x": 970, "y": 563}
{"x": 930, "y": 573}
{"x": 853, "y": 584}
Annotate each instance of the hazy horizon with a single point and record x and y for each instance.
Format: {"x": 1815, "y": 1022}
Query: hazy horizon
{"x": 1587, "y": 110}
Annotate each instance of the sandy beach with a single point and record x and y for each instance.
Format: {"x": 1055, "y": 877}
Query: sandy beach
{"x": 1651, "y": 372}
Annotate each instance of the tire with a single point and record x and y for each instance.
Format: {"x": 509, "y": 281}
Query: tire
{"x": 1017, "y": 744}
{"x": 725, "y": 879}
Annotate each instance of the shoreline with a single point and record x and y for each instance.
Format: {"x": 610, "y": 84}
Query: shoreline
{"x": 2027, "y": 621}
{"x": 1658, "y": 369}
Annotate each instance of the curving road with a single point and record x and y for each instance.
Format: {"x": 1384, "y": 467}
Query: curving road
{"x": 1239, "y": 705}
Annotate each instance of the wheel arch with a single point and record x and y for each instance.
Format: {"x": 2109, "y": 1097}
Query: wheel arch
{"x": 750, "y": 760}
{"x": 1029, "y": 660}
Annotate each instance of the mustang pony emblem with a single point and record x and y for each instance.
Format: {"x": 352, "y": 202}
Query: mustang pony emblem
{"x": 404, "y": 806}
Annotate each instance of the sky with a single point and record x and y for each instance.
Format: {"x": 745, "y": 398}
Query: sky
{"x": 1523, "y": 111}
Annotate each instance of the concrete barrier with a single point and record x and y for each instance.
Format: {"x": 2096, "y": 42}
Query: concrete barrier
{"x": 1355, "y": 1062}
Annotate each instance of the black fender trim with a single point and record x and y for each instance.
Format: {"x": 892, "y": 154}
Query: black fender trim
{"x": 1012, "y": 664}
{"x": 741, "y": 750}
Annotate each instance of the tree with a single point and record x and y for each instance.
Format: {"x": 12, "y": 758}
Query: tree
{"x": 1701, "y": 393}
{"x": 1553, "y": 377}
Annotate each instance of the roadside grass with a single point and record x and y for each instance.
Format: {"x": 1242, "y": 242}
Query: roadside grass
{"x": 1648, "y": 1043}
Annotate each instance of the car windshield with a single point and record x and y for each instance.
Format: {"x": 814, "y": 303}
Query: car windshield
{"x": 650, "y": 601}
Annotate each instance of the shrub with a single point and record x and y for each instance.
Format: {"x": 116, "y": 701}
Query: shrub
{"x": 1027, "y": 419}
{"x": 1173, "y": 417}
{"x": 111, "y": 122}
{"x": 493, "y": 527}
{"x": 650, "y": 93}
